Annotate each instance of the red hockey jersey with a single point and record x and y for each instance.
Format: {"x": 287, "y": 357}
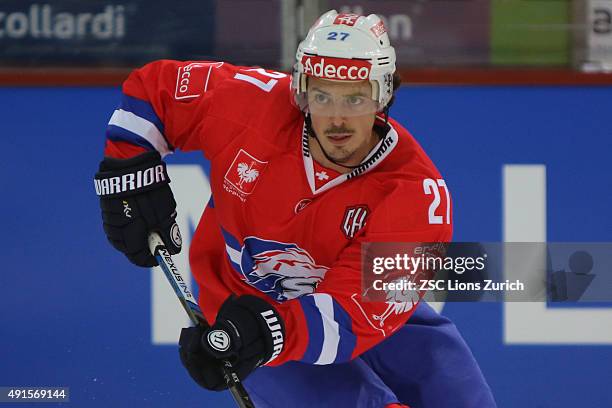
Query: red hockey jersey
{"x": 279, "y": 225}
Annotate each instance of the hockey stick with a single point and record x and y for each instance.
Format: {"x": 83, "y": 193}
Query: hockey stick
{"x": 189, "y": 303}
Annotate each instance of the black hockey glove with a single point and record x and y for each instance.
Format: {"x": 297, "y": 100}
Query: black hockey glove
{"x": 136, "y": 200}
{"x": 248, "y": 332}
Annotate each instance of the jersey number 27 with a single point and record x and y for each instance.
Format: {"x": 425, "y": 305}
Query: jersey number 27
{"x": 432, "y": 187}
{"x": 264, "y": 86}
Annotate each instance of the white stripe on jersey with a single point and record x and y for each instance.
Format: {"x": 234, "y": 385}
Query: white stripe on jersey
{"x": 142, "y": 127}
{"x": 331, "y": 330}
{"x": 234, "y": 254}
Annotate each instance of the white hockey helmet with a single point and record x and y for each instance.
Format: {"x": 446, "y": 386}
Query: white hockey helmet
{"x": 346, "y": 47}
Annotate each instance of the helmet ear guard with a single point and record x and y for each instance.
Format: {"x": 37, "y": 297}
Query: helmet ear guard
{"x": 346, "y": 47}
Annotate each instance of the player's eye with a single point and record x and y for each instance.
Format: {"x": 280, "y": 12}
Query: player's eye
{"x": 321, "y": 98}
{"x": 355, "y": 101}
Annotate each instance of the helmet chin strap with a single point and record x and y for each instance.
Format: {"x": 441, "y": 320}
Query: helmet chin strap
{"x": 312, "y": 132}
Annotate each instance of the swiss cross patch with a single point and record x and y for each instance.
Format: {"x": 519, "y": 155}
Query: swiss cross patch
{"x": 346, "y": 19}
{"x": 354, "y": 220}
{"x": 242, "y": 175}
{"x": 192, "y": 79}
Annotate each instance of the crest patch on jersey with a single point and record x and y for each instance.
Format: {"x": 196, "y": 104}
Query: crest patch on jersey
{"x": 281, "y": 270}
{"x": 354, "y": 220}
{"x": 242, "y": 175}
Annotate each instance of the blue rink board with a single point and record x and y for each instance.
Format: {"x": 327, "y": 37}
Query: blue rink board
{"x": 75, "y": 313}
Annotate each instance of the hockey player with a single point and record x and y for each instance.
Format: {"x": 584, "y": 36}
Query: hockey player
{"x": 304, "y": 169}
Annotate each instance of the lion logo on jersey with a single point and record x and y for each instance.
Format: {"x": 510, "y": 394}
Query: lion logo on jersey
{"x": 281, "y": 270}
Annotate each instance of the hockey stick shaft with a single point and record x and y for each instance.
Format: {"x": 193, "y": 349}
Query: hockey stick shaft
{"x": 189, "y": 303}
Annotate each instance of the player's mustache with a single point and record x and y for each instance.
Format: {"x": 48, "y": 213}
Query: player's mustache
{"x": 338, "y": 130}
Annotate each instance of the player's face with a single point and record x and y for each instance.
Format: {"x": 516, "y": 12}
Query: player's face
{"x": 342, "y": 116}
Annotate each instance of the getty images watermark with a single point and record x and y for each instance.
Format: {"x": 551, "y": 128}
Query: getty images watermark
{"x": 475, "y": 271}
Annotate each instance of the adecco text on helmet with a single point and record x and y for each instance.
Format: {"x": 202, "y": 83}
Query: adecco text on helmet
{"x": 336, "y": 68}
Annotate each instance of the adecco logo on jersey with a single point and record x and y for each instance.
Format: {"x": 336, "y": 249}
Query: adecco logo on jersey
{"x": 336, "y": 68}
{"x": 192, "y": 79}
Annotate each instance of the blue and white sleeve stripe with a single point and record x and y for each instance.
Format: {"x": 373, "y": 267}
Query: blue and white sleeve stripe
{"x": 233, "y": 250}
{"x": 331, "y": 338}
{"x": 136, "y": 122}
